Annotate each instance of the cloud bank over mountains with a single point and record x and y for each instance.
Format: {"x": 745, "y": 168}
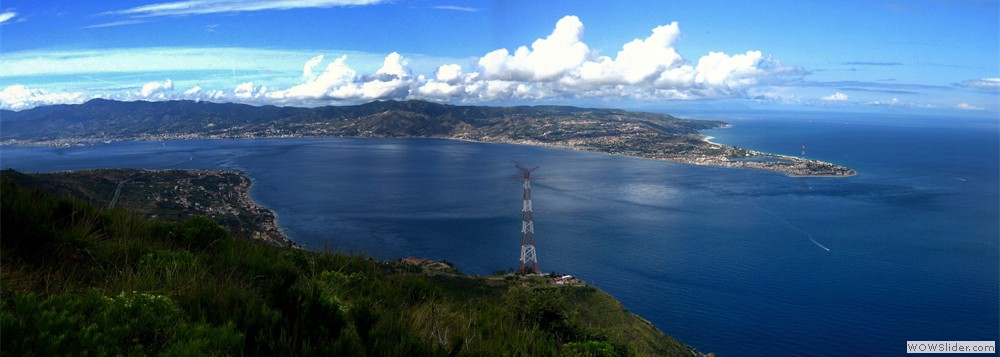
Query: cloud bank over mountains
{"x": 562, "y": 65}
{"x": 558, "y": 66}
{"x": 18, "y": 97}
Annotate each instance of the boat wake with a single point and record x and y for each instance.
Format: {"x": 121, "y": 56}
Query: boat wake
{"x": 793, "y": 227}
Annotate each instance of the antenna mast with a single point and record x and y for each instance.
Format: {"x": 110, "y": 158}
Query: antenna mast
{"x": 529, "y": 261}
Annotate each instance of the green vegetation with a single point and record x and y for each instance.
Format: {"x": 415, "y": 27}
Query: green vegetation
{"x": 80, "y": 280}
{"x": 172, "y": 195}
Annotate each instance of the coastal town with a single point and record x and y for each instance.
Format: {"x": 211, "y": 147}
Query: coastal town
{"x": 221, "y": 195}
{"x": 170, "y": 195}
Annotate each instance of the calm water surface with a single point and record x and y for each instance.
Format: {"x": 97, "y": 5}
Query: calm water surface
{"x": 732, "y": 261}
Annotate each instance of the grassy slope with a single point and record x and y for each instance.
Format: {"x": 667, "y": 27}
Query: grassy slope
{"x": 77, "y": 278}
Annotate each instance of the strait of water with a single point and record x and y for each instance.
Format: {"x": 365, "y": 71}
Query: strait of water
{"x": 732, "y": 261}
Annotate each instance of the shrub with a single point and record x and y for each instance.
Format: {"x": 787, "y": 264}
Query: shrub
{"x": 589, "y": 349}
{"x": 200, "y": 233}
{"x": 128, "y": 324}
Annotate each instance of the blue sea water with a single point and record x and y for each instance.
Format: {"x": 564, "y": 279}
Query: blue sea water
{"x": 732, "y": 261}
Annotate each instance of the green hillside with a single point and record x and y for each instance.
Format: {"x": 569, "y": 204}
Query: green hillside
{"x": 79, "y": 280}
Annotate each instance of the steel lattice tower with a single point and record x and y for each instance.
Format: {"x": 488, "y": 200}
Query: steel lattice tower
{"x": 529, "y": 261}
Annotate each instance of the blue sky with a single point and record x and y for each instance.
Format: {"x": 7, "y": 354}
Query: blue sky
{"x": 929, "y": 56}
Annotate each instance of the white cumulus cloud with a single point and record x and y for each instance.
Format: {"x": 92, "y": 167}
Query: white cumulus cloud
{"x": 836, "y": 97}
{"x": 307, "y": 70}
{"x": 193, "y": 91}
{"x": 639, "y": 61}
{"x": 339, "y": 82}
{"x": 967, "y": 106}
{"x": 440, "y": 90}
{"x": 394, "y": 66}
{"x": 548, "y": 58}
{"x": 157, "y": 90}
{"x": 719, "y": 70}
{"x": 558, "y": 66}
{"x": 448, "y": 82}
{"x": 448, "y": 73}
{"x": 336, "y": 74}
{"x": 247, "y": 91}
{"x": 563, "y": 65}
{"x": 18, "y": 97}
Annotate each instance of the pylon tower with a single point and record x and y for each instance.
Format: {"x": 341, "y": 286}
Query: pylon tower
{"x": 529, "y": 261}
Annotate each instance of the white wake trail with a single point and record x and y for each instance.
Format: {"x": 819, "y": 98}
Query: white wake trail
{"x": 792, "y": 226}
{"x": 817, "y": 243}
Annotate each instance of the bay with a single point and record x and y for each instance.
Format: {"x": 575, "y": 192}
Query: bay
{"x": 732, "y": 261}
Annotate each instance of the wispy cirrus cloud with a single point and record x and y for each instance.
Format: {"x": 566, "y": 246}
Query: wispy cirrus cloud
{"x": 867, "y": 63}
{"x": 457, "y": 8}
{"x": 157, "y": 59}
{"x": 982, "y": 83}
{"x": 199, "y": 7}
{"x": 883, "y": 87}
{"x": 116, "y": 23}
{"x": 886, "y": 103}
{"x": 897, "y": 103}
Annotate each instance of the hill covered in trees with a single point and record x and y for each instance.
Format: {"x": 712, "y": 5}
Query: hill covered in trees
{"x": 79, "y": 278}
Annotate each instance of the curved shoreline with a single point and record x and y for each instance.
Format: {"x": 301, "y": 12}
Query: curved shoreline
{"x": 803, "y": 168}
{"x": 801, "y": 163}
{"x": 282, "y": 238}
{"x": 717, "y": 161}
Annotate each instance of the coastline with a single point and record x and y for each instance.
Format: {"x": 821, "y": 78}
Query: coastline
{"x": 277, "y": 236}
{"x": 715, "y": 154}
{"x": 708, "y": 139}
{"x": 798, "y": 161}
{"x": 700, "y": 161}
{"x": 614, "y": 131}
{"x": 171, "y": 194}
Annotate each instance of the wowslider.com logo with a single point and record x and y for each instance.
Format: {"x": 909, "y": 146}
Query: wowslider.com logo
{"x": 951, "y": 347}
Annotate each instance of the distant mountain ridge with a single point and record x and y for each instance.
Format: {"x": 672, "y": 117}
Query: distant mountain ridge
{"x": 101, "y": 119}
{"x": 613, "y": 131}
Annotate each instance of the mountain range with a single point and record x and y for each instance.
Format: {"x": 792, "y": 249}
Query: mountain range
{"x": 104, "y": 120}
{"x": 613, "y": 131}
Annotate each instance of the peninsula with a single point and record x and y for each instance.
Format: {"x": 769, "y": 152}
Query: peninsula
{"x": 173, "y": 195}
{"x": 613, "y": 131}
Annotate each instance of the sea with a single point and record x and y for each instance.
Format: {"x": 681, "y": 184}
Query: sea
{"x": 738, "y": 262}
